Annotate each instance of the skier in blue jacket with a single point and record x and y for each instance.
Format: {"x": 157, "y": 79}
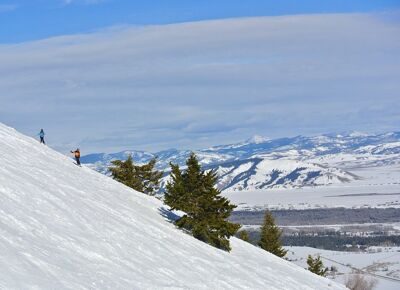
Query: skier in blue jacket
{"x": 41, "y": 135}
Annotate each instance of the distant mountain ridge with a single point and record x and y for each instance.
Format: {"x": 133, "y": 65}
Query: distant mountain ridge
{"x": 292, "y": 162}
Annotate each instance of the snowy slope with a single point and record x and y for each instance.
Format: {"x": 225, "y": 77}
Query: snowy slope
{"x": 66, "y": 227}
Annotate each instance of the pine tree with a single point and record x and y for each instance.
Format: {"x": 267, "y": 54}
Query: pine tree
{"x": 244, "y": 235}
{"x": 206, "y": 211}
{"x": 125, "y": 172}
{"x": 149, "y": 177}
{"x": 176, "y": 195}
{"x": 270, "y": 236}
{"x": 142, "y": 178}
{"x": 316, "y": 266}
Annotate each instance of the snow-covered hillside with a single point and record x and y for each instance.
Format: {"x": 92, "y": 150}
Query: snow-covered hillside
{"x": 261, "y": 163}
{"x": 258, "y": 173}
{"x": 69, "y": 227}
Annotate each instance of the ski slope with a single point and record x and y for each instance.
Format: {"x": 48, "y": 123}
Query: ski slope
{"x": 69, "y": 227}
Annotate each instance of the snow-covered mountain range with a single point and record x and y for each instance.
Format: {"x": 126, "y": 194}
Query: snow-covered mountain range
{"x": 262, "y": 163}
{"x": 69, "y": 227}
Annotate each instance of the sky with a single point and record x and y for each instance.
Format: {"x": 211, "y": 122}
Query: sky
{"x": 109, "y": 75}
{"x": 24, "y": 20}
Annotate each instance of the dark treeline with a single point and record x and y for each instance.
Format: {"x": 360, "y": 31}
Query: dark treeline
{"x": 334, "y": 242}
{"x": 320, "y": 216}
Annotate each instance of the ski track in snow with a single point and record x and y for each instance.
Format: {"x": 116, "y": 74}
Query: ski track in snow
{"x": 69, "y": 227}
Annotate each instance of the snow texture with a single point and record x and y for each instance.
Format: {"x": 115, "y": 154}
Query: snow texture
{"x": 379, "y": 263}
{"x": 69, "y": 227}
{"x": 358, "y": 196}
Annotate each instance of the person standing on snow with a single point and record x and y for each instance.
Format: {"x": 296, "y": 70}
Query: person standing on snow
{"x": 77, "y": 155}
{"x": 41, "y": 135}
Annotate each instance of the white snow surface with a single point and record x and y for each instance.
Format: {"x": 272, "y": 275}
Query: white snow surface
{"x": 378, "y": 263}
{"x": 69, "y": 227}
{"x": 366, "y": 196}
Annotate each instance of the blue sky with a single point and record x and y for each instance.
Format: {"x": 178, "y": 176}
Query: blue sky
{"x": 111, "y": 75}
{"x": 24, "y": 20}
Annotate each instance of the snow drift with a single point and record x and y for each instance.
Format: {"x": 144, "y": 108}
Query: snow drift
{"x": 68, "y": 227}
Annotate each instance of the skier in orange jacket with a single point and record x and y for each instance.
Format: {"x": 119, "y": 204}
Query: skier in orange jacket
{"x": 77, "y": 155}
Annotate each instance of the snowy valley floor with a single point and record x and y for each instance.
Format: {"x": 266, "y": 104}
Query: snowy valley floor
{"x": 380, "y": 263}
{"x": 347, "y": 196}
{"x": 335, "y": 217}
{"x": 377, "y": 187}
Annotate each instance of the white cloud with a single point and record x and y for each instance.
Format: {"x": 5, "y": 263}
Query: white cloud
{"x": 198, "y": 84}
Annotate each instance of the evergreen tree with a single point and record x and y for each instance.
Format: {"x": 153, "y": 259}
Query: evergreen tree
{"x": 149, "y": 177}
{"x": 206, "y": 211}
{"x": 142, "y": 178}
{"x": 125, "y": 172}
{"x": 316, "y": 266}
{"x": 270, "y": 236}
{"x": 244, "y": 235}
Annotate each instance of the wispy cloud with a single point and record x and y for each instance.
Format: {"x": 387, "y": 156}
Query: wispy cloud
{"x": 7, "y": 7}
{"x": 198, "y": 84}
